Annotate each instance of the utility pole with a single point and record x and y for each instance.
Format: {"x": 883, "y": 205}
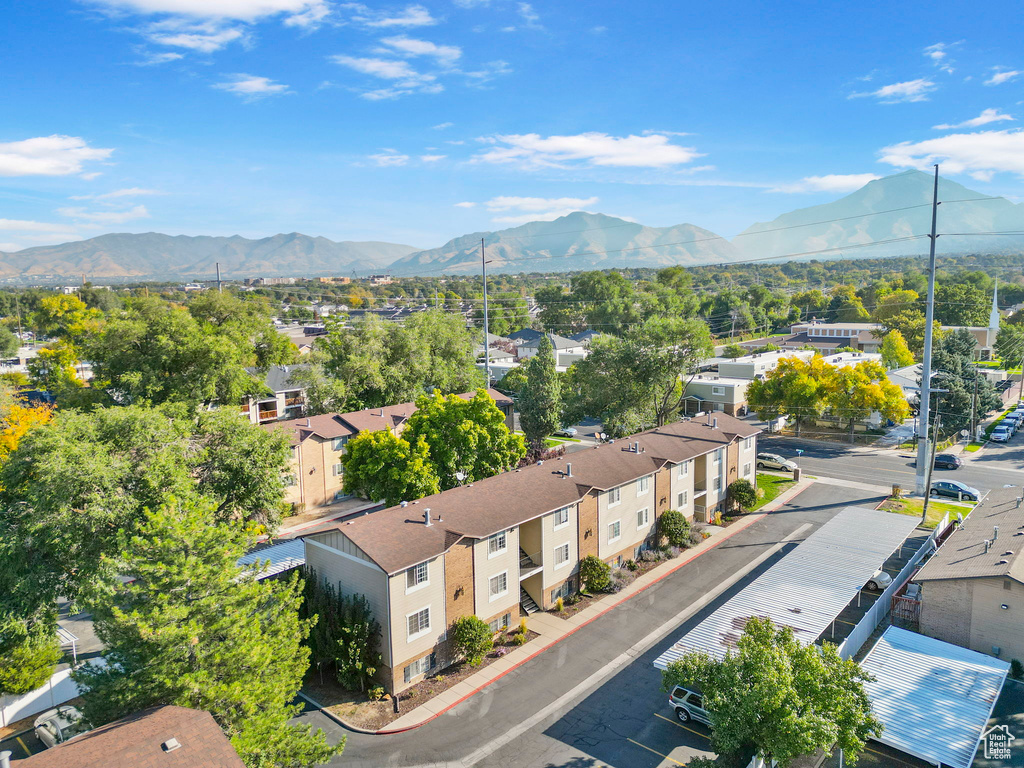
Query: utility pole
{"x": 926, "y": 366}
{"x": 220, "y": 288}
{"x": 1020, "y": 392}
{"x": 931, "y": 463}
{"x": 732, "y": 329}
{"x": 21, "y": 333}
{"x": 974, "y": 408}
{"x": 487, "y": 348}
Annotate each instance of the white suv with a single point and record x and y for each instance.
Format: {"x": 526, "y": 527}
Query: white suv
{"x": 688, "y": 705}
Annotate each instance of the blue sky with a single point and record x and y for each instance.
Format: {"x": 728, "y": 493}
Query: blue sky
{"x": 415, "y": 123}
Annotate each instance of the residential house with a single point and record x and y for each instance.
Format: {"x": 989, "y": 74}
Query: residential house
{"x": 513, "y": 543}
{"x": 285, "y": 398}
{"x": 972, "y": 588}
{"x": 526, "y": 334}
{"x": 759, "y": 364}
{"x": 567, "y": 351}
{"x": 316, "y": 474}
{"x": 585, "y": 337}
{"x": 711, "y": 392}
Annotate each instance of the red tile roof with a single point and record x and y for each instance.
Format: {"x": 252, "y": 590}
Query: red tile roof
{"x": 136, "y": 741}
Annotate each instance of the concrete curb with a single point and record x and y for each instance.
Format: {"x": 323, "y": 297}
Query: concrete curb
{"x": 331, "y": 716}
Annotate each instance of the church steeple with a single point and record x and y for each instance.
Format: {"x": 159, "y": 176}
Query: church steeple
{"x": 993, "y": 318}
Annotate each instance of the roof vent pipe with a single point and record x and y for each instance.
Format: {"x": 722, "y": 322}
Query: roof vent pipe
{"x": 714, "y": 423}
{"x": 308, "y": 424}
{"x": 426, "y": 519}
{"x": 995, "y": 532}
{"x": 568, "y": 469}
{"x": 988, "y": 544}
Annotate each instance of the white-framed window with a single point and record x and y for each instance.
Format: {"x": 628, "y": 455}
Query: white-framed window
{"x": 338, "y": 443}
{"x": 718, "y": 483}
{"x": 418, "y": 623}
{"x": 562, "y": 591}
{"x": 748, "y": 443}
{"x": 682, "y": 499}
{"x": 746, "y": 469}
{"x": 718, "y": 390}
{"x": 561, "y": 517}
{"x": 718, "y": 455}
{"x": 684, "y": 469}
{"x": 562, "y": 555}
{"x": 416, "y": 577}
{"x": 614, "y": 496}
{"x": 500, "y": 623}
{"x": 497, "y": 543}
{"x": 498, "y": 585}
{"x": 420, "y": 667}
{"x": 614, "y": 531}
{"x": 643, "y": 485}
{"x": 339, "y": 469}
{"x": 643, "y": 518}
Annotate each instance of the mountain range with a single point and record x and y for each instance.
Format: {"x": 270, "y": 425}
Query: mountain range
{"x": 892, "y": 212}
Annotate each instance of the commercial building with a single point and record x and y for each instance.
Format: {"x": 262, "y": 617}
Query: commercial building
{"x": 759, "y": 364}
{"x": 513, "y": 543}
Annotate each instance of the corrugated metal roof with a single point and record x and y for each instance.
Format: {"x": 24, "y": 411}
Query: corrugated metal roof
{"x": 933, "y": 698}
{"x": 809, "y": 587}
{"x": 276, "y": 558}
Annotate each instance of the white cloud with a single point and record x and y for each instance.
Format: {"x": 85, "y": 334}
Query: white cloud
{"x": 412, "y": 16}
{"x": 538, "y": 204}
{"x": 833, "y": 182}
{"x": 471, "y": 3}
{"x": 596, "y": 149}
{"x": 20, "y": 225}
{"x": 980, "y": 154}
{"x": 48, "y": 156}
{"x": 105, "y": 217}
{"x": 406, "y": 79}
{"x": 119, "y": 193}
{"x": 389, "y": 158}
{"x": 939, "y": 55}
{"x": 445, "y": 55}
{"x": 240, "y": 10}
{"x": 1002, "y": 75}
{"x": 251, "y": 87}
{"x": 442, "y": 126}
{"x": 530, "y": 17}
{"x": 432, "y": 158}
{"x": 598, "y": 30}
{"x": 204, "y": 37}
{"x": 488, "y": 72}
{"x": 911, "y": 90}
{"x": 458, "y": 143}
{"x": 465, "y": 205}
{"x": 154, "y": 59}
{"x": 987, "y": 116}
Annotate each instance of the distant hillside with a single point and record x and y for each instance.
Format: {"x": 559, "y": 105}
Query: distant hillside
{"x": 153, "y": 255}
{"x": 578, "y": 241}
{"x": 859, "y": 222}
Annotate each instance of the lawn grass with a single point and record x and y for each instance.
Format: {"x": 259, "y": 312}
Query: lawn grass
{"x": 972, "y": 447}
{"x": 772, "y": 485}
{"x": 936, "y": 509}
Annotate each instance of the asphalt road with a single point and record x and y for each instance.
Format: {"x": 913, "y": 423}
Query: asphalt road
{"x": 997, "y": 465}
{"x": 594, "y": 698}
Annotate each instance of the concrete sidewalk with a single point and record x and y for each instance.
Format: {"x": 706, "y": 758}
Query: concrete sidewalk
{"x": 553, "y": 629}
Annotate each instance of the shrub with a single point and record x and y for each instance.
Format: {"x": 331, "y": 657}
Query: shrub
{"x": 376, "y": 693}
{"x": 674, "y": 526}
{"x": 594, "y": 573}
{"x": 1016, "y": 669}
{"x": 650, "y": 556}
{"x": 696, "y": 537}
{"x": 717, "y": 519}
{"x": 519, "y": 639}
{"x": 743, "y": 494}
{"x": 472, "y": 638}
{"x": 631, "y": 565}
{"x": 522, "y": 626}
{"x": 559, "y": 605}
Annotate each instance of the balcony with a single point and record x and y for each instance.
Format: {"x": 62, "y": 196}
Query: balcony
{"x": 267, "y": 415}
{"x": 294, "y": 402}
{"x": 529, "y": 564}
{"x": 700, "y": 488}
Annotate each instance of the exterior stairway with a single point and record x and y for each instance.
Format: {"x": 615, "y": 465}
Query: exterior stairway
{"x": 527, "y": 603}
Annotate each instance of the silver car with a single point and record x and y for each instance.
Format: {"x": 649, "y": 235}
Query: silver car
{"x": 774, "y": 461}
{"x": 688, "y": 705}
{"x": 58, "y": 725}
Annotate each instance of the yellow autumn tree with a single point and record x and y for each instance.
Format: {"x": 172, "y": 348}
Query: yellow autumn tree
{"x": 16, "y": 419}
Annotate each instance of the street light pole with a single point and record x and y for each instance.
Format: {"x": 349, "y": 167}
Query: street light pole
{"x": 931, "y": 464}
{"x": 926, "y": 363}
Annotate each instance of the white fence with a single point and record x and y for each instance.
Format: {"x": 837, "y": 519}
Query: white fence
{"x": 870, "y": 621}
{"x": 61, "y": 688}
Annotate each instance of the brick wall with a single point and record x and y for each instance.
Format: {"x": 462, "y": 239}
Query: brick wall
{"x": 458, "y": 581}
{"x": 946, "y": 610}
{"x": 663, "y": 490}
{"x": 589, "y": 533}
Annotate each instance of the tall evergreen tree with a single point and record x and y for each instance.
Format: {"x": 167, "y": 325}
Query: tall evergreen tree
{"x": 540, "y": 399}
{"x": 193, "y": 630}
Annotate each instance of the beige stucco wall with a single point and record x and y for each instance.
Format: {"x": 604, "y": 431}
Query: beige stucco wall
{"x": 632, "y": 500}
{"x": 404, "y": 602}
{"x": 681, "y": 483}
{"x": 487, "y": 566}
{"x": 556, "y": 537}
{"x": 993, "y": 626}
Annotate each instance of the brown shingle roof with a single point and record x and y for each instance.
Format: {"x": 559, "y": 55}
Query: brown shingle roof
{"x": 135, "y": 742}
{"x": 963, "y": 555}
{"x": 396, "y": 538}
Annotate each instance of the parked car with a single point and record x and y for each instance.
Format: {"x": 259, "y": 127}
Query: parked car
{"x": 774, "y": 461}
{"x": 1013, "y": 420}
{"x": 947, "y": 461}
{"x": 58, "y": 725}
{"x": 688, "y": 705}
{"x": 955, "y": 489}
{"x": 1001, "y": 434}
{"x": 879, "y": 581}
{"x": 566, "y": 432}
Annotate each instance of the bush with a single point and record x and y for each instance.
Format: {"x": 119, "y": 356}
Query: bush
{"x": 559, "y": 605}
{"x": 743, "y": 494}
{"x": 674, "y": 526}
{"x": 522, "y": 626}
{"x": 519, "y": 639}
{"x": 376, "y": 693}
{"x": 1016, "y": 669}
{"x": 650, "y": 556}
{"x": 472, "y": 638}
{"x": 696, "y": 537}
{"x": 631, "y": 565}
{"x": 594, "y": 573}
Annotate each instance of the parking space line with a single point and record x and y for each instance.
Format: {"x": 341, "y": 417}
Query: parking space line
{"x": 28, "y": 751}
{"x": 656, "y": 752}
{"x": 887, "y": 757}
{"x": 684, "y": 727}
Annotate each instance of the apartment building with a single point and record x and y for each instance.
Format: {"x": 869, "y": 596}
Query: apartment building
{"x": 316, "y": 474}
{"x": 512, "y": 543}
{"x": 285, "y": 397}
{"x": 711, "y": 392}
{"x": 759, "y": 364}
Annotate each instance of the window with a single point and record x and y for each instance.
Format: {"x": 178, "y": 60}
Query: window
{"x": 338, "y": 443}
{"x": 562, "y": 591}
{"x": 718, "y": 483}
{"x": 615, "y": 531}
{"x": 291, "y": 480}
{"x": 643, "y": 485}
{"x": 748, "y": 443}
{"x": 500, "y": 623}
{"x": 419, "y": 623}
{"x": 561, "y": 555}
{"x": 643, "y": 518}
{"x": 746, "y": 469}
{"x": 420, "y": 667}
{"x": 498, "y": 585}
{"x": 614, "y": 496}
{"x": 718, "y": 455}
{"x": 684, "y": 469}
{"x": 682, "y": 499}
{"x": 416, "y": 576}
{"x": 561, "y": 517}
{"x": 497, "y": 543}
{"x": 339, "y": 469}
{"x": 718, "y": 390}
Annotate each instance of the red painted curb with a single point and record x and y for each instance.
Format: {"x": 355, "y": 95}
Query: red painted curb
{"x": 783, "y": 498}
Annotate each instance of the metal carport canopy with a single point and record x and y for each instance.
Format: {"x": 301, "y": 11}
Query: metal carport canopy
{"x": 277, "y": 558}
{"x": 933, "y": 698}
{"x": 809, "y": 587}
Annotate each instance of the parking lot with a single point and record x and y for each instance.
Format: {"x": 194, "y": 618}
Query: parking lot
{"x": 22, "y": 744}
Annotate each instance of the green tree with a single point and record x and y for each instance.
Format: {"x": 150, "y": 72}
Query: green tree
{"x": 961, "y": 304}
{"x": 193, "y": 630}
{"x": 743, "y": 493}
{"x": 854, "y": 392}
{"x": 540, "y": 400}
{"x": 895, "y": 352}
{"x": 324, "y": 392}
{"x": 472, "y": 638}
{"x": 355, "y": 653}
{"x": 674, "y": 528}
{"x": 64, "y": 316}
{"x": 893, "y": 303}
{"x": 595, "y": 574}
{"x": 953, "y": 363}
{"x": 783, "y": 698}
{"x": 54, "y": 369}
{"x": 464, "y": 436}
{"x": 733, "y": 351}
{"x": 380, "y": 466}
{"x": 513, "y": 381}
{"x": 9, "y": 343}
{"x": 796, "y": 389}
{"x": 1009, "y": 344}
{"x": 29, "y": 653}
